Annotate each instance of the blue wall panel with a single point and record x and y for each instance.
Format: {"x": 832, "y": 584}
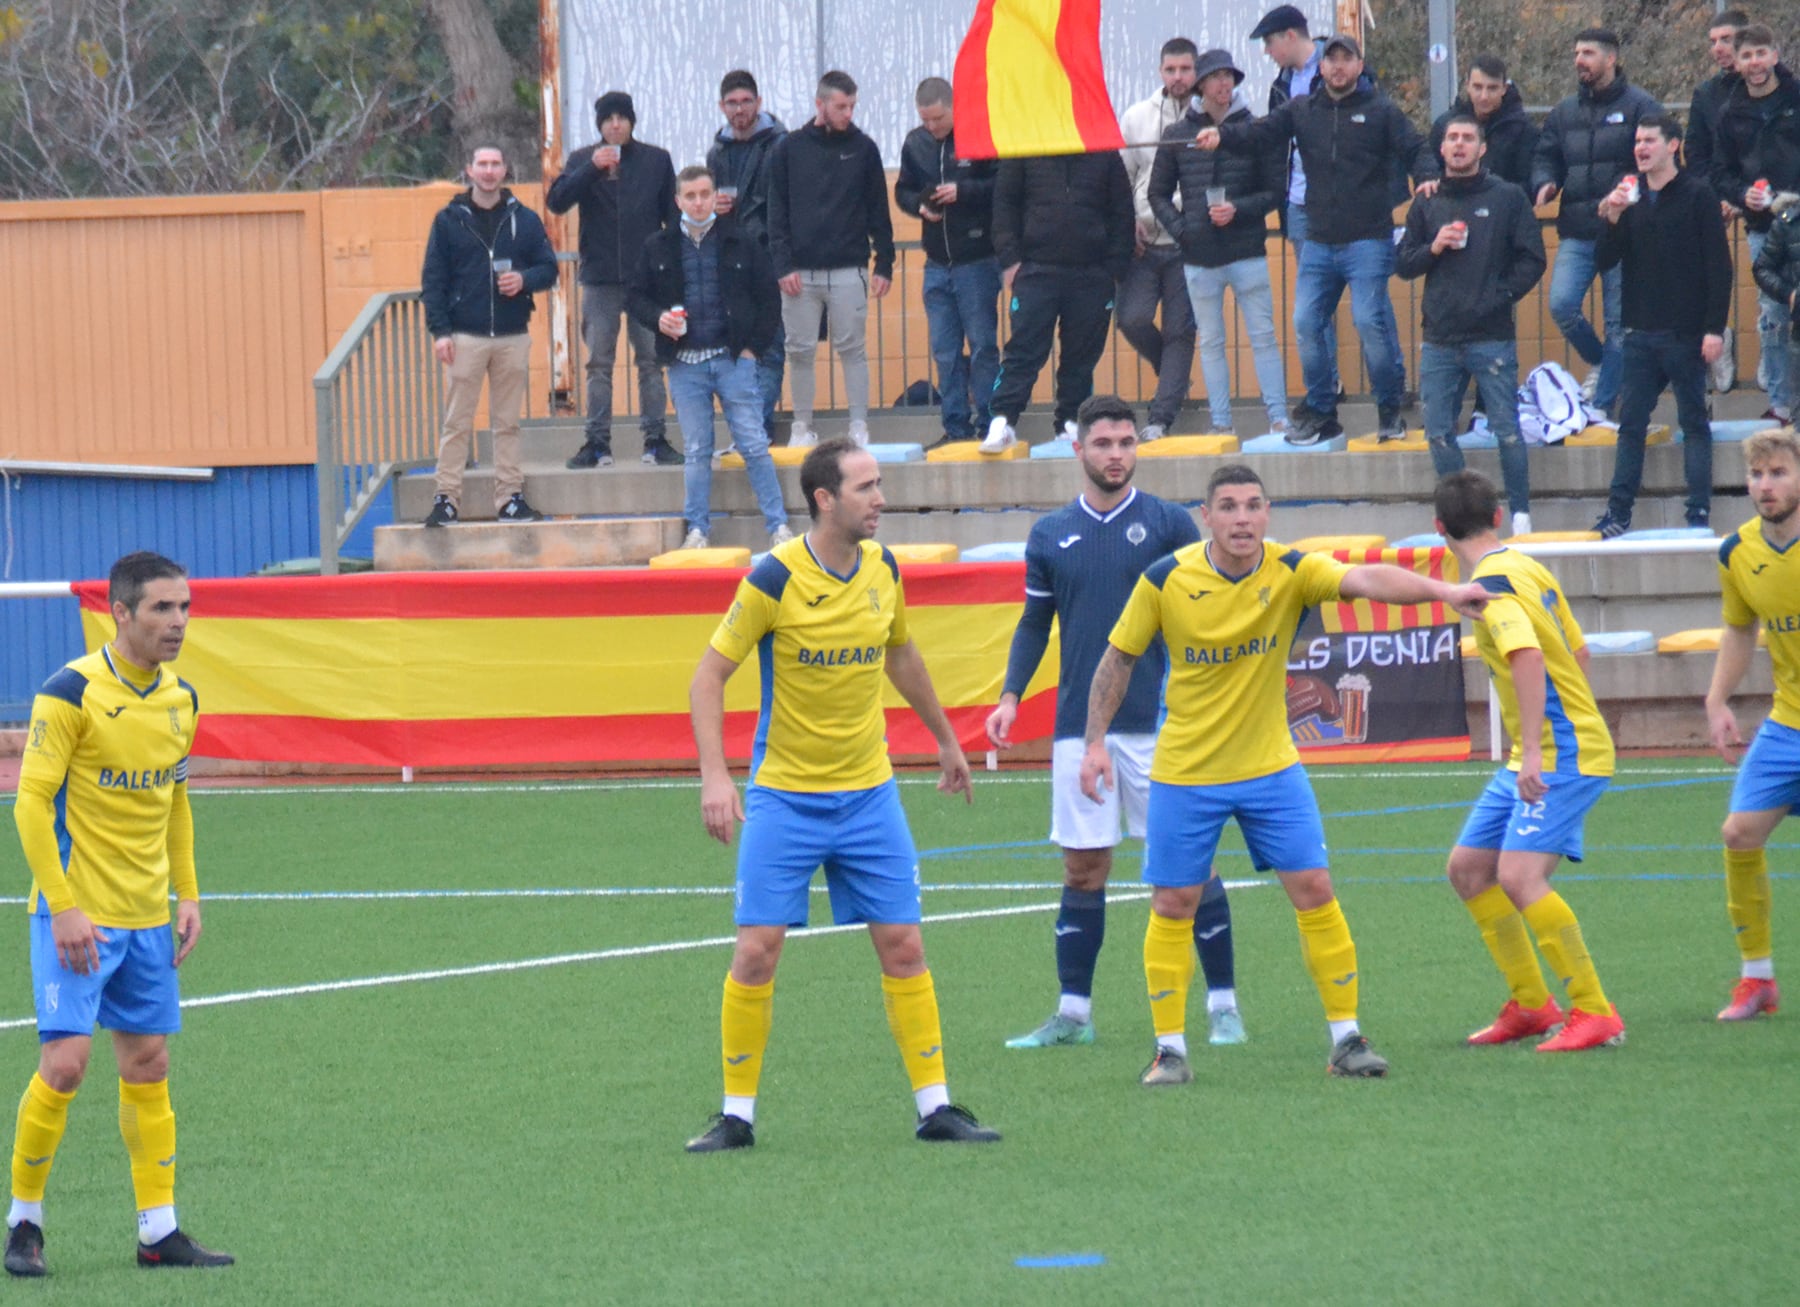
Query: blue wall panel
{"x": 72, "y": 528}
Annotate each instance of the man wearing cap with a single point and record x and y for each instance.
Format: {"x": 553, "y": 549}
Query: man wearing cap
{"x": 1229, "y": 197}
{"x": 625, "y": 190}
{"x": 1584, "y": 149}
{"x": 1351, "y": 138}
{"x": 1156, "y": 274}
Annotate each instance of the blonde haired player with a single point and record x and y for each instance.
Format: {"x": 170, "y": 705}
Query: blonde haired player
{"x": 1759, "y": 575}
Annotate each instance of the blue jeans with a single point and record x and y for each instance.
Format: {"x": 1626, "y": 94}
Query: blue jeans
{"x": 1569, "y": 282}
{"x": 1772, "y": 334}
{"x": 1654, "y": 359}
{"x": 1249, "y": 283}
{"x": 770, "y": 364}
{"x": 1325, "y": 270}
{"x": 1297, "y": 227}
{"x": 691, "y": 389}
{"x": 962, "y": 304}
{"x": 1444, "y": 372}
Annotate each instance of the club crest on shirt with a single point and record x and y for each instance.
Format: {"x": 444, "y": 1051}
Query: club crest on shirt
{"x": 174, "y": 721}
{"x": 874, "y": 601}
{"x": 39, "y": 729}
{"x": 732, "y": 616}
{"x": 1136, "y": 533}
{"x": 1262, "y": 596}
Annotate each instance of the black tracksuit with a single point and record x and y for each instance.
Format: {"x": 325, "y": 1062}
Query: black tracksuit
{"x": 1349, "y": 148}
{"x": 966, "y": 232}
{"x": 458, "y": 278}
{"x": 751, "y": 302}
{"x": 618, "y": 213}
{"x": 1758, "y": 139}
{"x": 1069, "y": 224}
{"x": 828, "y": 202}
{"x": 1470, "y": 293}
{"x": 1511, "y": 137}
{"x": 1254, "y": 180}
{"x": 1585, "y": 148}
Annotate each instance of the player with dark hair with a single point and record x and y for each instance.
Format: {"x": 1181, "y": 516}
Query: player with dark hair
{"x": 1759, "y": 573}
{"x": 826, "y": 615}
{"x": 1227, "y": 609}
{"x": 1532, "y": 812}
{"x": 1080, "y": 564}
{"x": 103, "y": 816}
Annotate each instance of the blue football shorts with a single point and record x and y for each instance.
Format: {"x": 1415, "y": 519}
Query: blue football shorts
{"x": 1278, "y": 815}
{"x": 1769, "y": 775}
{"x": 1502, "y": 820}
{"x": 134, "y": 990}
{"x": 859, "y": 837}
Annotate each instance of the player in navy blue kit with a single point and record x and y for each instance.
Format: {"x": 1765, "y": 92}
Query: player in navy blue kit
{"x": 1081, "y": 563}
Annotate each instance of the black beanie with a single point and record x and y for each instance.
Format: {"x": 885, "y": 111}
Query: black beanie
{"x": 614, "y": 102}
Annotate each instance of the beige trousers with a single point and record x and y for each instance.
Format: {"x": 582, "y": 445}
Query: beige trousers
{"x": 504, "y": 362}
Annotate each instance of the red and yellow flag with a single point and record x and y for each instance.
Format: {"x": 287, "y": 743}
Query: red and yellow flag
{"x": 1029, "y": 81}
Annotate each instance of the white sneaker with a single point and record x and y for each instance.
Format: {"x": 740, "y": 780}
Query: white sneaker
{"x": 1521, "y": 524}
{"x": 1280, "y": 427}
{"x": 802, "y": 436}
{"x": 1152, "y": 432}
{"x": 780, "y": 535}
{"x": 1590, "y": 384}
{"x": 1071, "y": 431}
{"x": 859, "y": 433}
{"x": 1724, "y": 368}
{"x": 695, "y": 539}
{"x": 1000, "y": 437}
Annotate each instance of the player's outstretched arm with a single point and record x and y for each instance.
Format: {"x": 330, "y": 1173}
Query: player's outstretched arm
{"x": 905, "y": 667}
{"x": 1400, "y": 585}
{"x": 721, "y": 807}
{"x": 1737, "y": 646}
{"x": 1111, "y": 679}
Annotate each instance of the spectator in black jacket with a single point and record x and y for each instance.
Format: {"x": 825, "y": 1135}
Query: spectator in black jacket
{"x": 1709, "y": 97}
{"x": 486, "y": 257}
{"x": 1476, "y": 243}
{"x": 1756, "y": 156}
{"x": 626, "y": 191}
{"x": 1064, "y": 229}
{"x": 739, "y": 162}
{"x": 1229, "y": 196}
{"x": 1584, "y": 149}
{"x": 1351, "y": 138}
{"x": 828, "y": 208}
{"x": 706, "y": 289}
{"x": 1666, "y": 233}
{"x": 954, "y": 199}
{"x": 1495, "y": 103}
{"x": 1777, "y": 273}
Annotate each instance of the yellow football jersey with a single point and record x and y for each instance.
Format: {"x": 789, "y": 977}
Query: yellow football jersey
{"x": 103, "y": 775}
{"x": 1225, "y": 701}
{"x": 1760, "y": 581}
{"x": 821, "y": 642}
{"x": 1527, "y": 610}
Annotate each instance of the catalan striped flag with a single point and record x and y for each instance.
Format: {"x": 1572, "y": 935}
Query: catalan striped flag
{"x": 1029, "y": 81}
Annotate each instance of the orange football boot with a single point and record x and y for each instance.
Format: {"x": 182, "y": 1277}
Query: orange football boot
{"x": 1751, "y": 998}
{"x": 1585, "y": 1030}
{"x": 1516, "y": 1023}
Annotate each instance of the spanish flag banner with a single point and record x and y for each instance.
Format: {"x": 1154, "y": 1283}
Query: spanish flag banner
{"x": 1029, "y": 81}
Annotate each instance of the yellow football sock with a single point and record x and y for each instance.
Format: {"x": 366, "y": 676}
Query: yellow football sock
{"x": 1559, "y": 936}
{"x": 744, "y": 1020}
{"x": 912, "y": 1013}
{"x": 1169, "y": 971}
{"x": 1747, "y": 900}
{"x": 1503, "y": 931}
{"x": 43, "y": 1115}
{"x": 148, "y": 1124}
{"x": 1330, "y": 956}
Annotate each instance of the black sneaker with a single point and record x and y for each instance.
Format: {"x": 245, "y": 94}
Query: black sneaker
{"x": 591, "y": 455}
{"x": 1701, "y": 520}
{"x": 1389, "y": 425}
{"x": 176, "y": 1249}
{"x": 25, "y": 1250}
{"x": 517, "y": 510}
{"x": 725, "y": 1133}
{"x": 1304, "y": 424}
{"x": 662, "y": 454}
{"x": 443, "y": 512}
{"x": 951, "y": 1124}
{"x": 1610, "y": 527}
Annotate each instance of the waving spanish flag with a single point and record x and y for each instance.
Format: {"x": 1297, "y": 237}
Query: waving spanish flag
{"x": 1029, "y": 81}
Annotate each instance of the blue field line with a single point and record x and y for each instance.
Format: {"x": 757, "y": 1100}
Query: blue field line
{"x": 1615, "y": 789}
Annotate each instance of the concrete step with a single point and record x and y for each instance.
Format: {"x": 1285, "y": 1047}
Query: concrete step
{"x": 525, "y": 546}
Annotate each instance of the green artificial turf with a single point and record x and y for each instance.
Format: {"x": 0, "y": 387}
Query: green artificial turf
{"x": 515, "y": 1135}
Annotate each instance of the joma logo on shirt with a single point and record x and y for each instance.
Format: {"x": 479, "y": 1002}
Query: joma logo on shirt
{"x": 136, "y": 780}
{"x": 840, "y": 657}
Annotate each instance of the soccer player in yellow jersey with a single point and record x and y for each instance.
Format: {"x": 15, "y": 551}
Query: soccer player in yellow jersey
{"x": 1759, "y": 572}
{"x": 825, "y": 615}
{"x": 1532, "y": 811}
{"x": 1227, "y": 608}
{"x": 103, "y": 814}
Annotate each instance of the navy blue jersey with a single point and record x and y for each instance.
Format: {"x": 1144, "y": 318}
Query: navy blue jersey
{"x": 1080, "y": 567}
